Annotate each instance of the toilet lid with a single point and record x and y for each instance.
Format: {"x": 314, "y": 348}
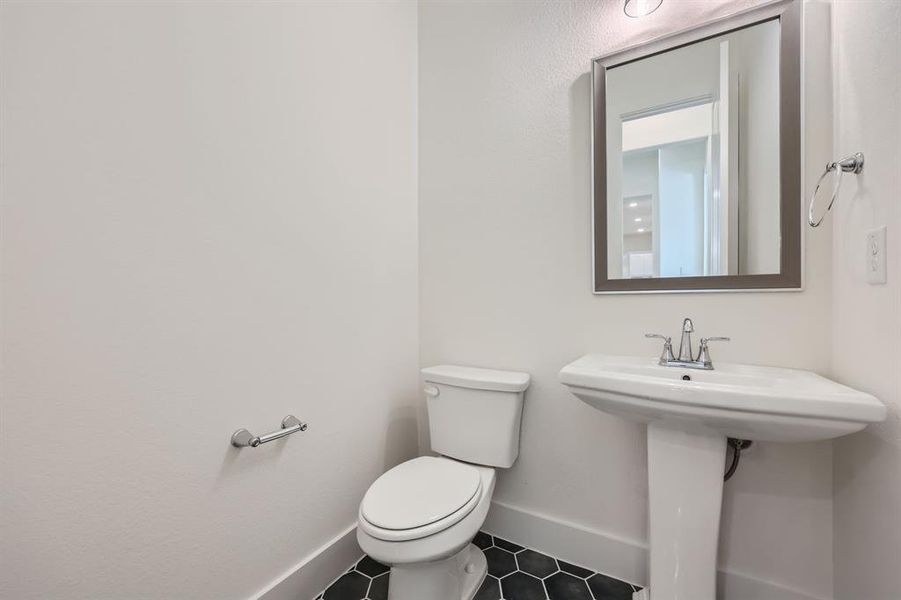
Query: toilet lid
{"x": 419, "y": 492}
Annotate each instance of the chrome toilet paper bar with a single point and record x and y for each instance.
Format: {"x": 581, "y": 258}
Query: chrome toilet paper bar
{"x": 290, "y": 424}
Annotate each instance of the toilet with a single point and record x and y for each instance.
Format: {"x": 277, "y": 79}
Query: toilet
{"x": 420, "y": 517}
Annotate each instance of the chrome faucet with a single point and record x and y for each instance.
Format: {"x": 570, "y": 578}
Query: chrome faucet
{"x": 686, "y": 358}
{"x": 688, "y": 328}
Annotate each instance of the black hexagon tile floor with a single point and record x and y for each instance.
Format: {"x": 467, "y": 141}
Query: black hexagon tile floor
{"x": 514, "y": 573}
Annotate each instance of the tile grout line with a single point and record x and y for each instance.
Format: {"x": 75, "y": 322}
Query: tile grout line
{"x": 516, "y": 552}
{"x": 353, "y": 566}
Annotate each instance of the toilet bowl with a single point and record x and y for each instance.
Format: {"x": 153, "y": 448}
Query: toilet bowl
{"x": 423, "y": 527}
{"x": 420, "y": 517}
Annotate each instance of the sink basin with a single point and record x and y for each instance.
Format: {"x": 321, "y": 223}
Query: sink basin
{"x": 690, "y": 413}
{"x": 740, "y": 401}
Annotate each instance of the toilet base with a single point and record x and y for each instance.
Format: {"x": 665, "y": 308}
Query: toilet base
{"x": 454, "y": 578}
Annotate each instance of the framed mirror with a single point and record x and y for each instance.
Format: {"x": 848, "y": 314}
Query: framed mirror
{"x": 697, "y": 158}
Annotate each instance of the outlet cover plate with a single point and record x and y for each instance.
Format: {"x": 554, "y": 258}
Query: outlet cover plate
{"x": 875, "y": 265}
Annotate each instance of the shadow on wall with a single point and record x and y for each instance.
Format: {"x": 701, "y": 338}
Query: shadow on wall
{"x": 401, "y": 436}
{"x": 237, "y": 460}
{"x": 580, "y": 93}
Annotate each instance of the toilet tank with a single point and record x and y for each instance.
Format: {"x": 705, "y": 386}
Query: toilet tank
{"x": 475, "y": 414}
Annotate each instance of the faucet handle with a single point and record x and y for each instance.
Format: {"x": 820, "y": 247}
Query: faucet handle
{"x": 667, "y": 355}
{"x": 659, "y": 337}
{"x": 704, "y": 352}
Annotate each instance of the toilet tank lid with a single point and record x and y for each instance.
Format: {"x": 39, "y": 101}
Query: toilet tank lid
{"x": 476, "y": 378}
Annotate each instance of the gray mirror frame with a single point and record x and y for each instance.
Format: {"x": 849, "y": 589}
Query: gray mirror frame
{"x": 788, "y": 12}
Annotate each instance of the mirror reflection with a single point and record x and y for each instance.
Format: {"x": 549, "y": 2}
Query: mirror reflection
{"x": 693, "y": 184}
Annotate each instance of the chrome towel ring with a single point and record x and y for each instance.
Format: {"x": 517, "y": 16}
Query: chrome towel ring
{"x": 849, "y": 164}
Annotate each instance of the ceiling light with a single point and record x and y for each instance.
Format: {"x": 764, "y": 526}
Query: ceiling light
{"x": 638, "y": 219}
{"x": 640, "y": 8}
{"x": 641, "y": 230}
{"x": 633, "y": 204}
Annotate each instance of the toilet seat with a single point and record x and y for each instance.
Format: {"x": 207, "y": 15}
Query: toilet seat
{"x": 419, "y": 498}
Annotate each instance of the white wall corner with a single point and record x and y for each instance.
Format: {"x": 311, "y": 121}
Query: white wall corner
{"x": 317, "y": 570}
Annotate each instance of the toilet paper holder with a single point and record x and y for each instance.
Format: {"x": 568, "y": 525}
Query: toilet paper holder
{"x": 290, "y": 424}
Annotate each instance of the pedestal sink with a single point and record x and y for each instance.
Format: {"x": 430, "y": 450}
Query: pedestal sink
{"x": 690, "y": 413}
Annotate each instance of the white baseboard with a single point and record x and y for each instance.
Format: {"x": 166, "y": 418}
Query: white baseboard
{"x": 317, "y": 570}
{"x": 623, "y": 559}
{"x": 611, "y": 555}
{"x": 731, "y": 585}
{"x": 599, "y": 551}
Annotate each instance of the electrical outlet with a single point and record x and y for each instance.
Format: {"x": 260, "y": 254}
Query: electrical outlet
{"x": 876, "y": 255}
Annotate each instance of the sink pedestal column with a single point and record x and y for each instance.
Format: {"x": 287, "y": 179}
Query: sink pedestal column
{"x": 685, "y": 484}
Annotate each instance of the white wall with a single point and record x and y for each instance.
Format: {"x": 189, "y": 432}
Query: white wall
{"x": 633, "y": 88}
{"x": 867, "y": 319}
{"x": 695, "y": 72}
{"x": 754, "y": 54}
{"x": 208, "y": 222}
{"x": 506, "y": 278}
{"x": 681, "y": 208}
